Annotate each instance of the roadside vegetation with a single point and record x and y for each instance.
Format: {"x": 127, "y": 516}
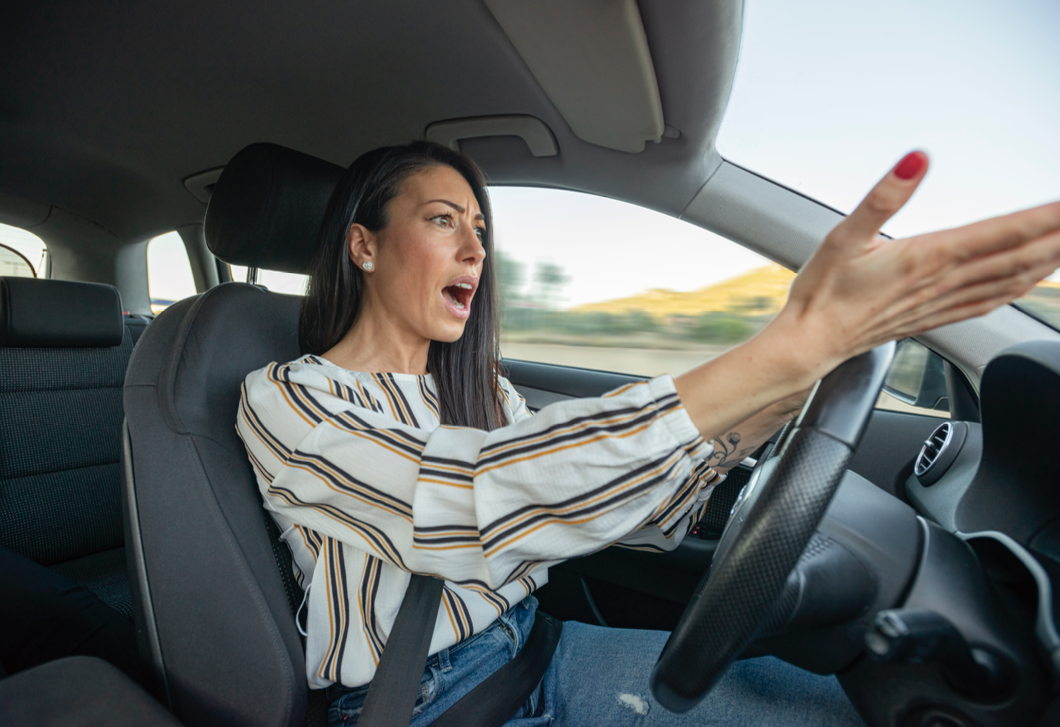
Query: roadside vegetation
{"x": 719, "y": 315}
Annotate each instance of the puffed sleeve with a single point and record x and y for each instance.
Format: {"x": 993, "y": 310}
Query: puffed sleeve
{"x": 474, "y": 507}
{"x": 676, "y": 515}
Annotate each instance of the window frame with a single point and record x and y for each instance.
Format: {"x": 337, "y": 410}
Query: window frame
{"x": 24, "y": 258}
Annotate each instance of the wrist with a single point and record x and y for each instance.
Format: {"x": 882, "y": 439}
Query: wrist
{"x": 784, "y": 410}
{"x": 799, "y": 353}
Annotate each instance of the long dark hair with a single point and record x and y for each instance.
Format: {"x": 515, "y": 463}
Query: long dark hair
{"x": 465, "y": 370}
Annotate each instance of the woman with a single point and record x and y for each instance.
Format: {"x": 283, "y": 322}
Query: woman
{"x": 395, "y": 446}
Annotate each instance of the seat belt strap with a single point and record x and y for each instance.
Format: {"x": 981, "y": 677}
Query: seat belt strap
{"x": 392, "y": 694}
{"x": 496, "y": 699}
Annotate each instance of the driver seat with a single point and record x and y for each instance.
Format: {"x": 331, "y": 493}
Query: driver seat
{"x": 214, "y": 612}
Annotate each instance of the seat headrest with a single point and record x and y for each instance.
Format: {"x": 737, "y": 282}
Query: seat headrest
{"x": 267, "y": 207}
{"x": 59, "y": 314}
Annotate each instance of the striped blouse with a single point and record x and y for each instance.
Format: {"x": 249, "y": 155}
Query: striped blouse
{"x": 366, "y": 487}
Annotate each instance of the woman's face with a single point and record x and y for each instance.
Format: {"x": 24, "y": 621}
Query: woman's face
{"x": 427, "y": 262}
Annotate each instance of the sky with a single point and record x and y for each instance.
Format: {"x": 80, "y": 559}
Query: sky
{"x": 828, "y": 96}
{"x": 610, "y": 249}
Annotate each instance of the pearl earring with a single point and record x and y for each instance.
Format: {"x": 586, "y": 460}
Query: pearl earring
{"x": 368, "y": 266}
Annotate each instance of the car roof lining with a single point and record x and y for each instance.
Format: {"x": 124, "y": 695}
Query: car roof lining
{"x": 113, "y": 108}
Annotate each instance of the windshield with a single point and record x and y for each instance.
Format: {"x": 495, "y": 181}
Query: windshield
{"x": 829, "y": 94}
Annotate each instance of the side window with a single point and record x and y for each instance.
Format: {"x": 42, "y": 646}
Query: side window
{"x": 169, "y": 276}
{"x": 916, "y": 382}
{"x": 600, "y": 284}
{"x": 596, "y": 283}
{"x": 277, "y": 282}
{"x": 22, "y": 254}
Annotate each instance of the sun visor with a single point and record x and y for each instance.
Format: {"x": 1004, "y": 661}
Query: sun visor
{"x": 591, "y": 57}
{"x": 267, "y": 207}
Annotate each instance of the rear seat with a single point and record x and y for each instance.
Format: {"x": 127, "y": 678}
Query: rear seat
{"x": 135, "y": 324}
{"x": 64, "y": 348}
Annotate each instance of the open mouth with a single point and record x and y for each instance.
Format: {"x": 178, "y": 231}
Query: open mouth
{"x": 458, "y": 296}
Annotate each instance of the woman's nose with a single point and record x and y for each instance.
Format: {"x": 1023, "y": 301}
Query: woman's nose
{"x": 471, "y": 250}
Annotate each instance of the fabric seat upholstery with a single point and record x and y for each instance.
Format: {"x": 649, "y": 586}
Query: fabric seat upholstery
{"x": 63, "y": 351}
{"x": 215, "y": 609}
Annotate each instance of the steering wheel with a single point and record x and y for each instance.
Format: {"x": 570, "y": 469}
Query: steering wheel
{"x": 767, "y": 533}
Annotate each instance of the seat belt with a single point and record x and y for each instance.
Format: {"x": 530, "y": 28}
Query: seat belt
{"x": 392, "y": 694}
{"x": 496, "y": 699}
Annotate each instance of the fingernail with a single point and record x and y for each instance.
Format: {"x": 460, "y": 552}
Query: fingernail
{"x": 911, "y": 165}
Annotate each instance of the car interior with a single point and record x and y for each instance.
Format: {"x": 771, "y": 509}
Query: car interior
{"x": 922, "y": 576}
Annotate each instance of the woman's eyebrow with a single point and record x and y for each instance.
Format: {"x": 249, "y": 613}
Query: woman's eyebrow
{"x": 456, "y": 207}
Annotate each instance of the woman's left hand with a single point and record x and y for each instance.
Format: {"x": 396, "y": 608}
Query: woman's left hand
{"x": 860, "y": 289}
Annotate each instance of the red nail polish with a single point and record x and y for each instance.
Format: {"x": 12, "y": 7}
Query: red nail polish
{"x": 911, "y": 165}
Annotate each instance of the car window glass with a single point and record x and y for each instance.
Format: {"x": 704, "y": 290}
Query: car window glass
{"x": 19, "y": 249}
{"x": 986, "y": 159}
{"x": 915, "y": 382}
{"x": 274, "y": 280}
{"x": 14, "y": 264}
{"x": 169, "y": 275}
{"x": 951, "y": 83}
{"x": 601, "y": 284}
{"x": 1043, "y": 302}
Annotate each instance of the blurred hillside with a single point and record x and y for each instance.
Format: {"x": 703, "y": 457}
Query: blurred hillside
{"x": 762, "y": 291}
{"x": 717, "y": 315}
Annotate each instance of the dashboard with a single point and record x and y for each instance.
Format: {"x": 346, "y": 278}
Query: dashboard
{"x": 1000, "y": 475}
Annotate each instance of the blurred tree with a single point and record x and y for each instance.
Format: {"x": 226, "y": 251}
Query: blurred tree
{"x": 717, "y": 327}
{"x": 638, "y": 321}
{"x": 509, "y": 275}
{"x": 752, "y": 304}
{"x": 509, "y": 283}
{"x": 549, "y": 279}
{"x": 585, "y": 322}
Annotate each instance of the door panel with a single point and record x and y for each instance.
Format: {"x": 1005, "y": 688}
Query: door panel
{"x": 533, "y": 379}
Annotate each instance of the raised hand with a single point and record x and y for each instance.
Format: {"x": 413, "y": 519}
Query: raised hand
{"x": 860, "y": 290}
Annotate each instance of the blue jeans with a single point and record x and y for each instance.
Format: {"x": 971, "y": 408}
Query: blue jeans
{"x": 599, "y": 676}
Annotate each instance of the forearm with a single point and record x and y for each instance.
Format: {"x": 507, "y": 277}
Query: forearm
{"x": 732, "y": 447}
{"x": 734, "y": 392}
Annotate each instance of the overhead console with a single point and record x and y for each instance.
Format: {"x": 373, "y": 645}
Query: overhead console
{"x": 532, "y": 130}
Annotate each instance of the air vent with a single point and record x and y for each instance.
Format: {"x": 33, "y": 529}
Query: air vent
{"x": 939, "y": 452}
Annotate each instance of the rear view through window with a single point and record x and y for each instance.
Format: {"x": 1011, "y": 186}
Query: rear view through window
{"x": 22, "y": 254}
{"x": 169, "y": 274}
{"x": 274, "y": 280}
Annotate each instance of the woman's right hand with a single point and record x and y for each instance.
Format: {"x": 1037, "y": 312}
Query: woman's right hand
{"x": 860, "y": 290}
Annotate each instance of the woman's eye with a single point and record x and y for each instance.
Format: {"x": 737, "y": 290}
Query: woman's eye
{"x": 480, "y": 232}
{"x": 443, "y": 220}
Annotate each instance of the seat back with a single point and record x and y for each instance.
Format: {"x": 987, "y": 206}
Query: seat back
{"x": 63, "y": 353}
{"x": 211, "y": 604}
